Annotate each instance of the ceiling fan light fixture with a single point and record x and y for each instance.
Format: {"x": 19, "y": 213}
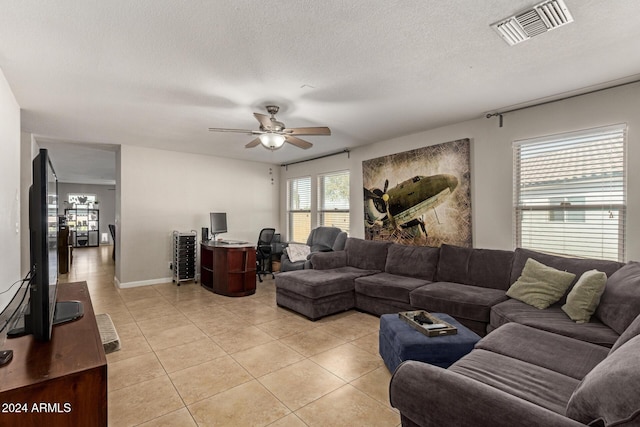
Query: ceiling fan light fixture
{"x": 271, "y": 140}
{"x": 273, "y": 133}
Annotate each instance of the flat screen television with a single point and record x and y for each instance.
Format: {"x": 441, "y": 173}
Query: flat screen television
{"x": 218, "y": 223}
{"x": 42, "y": 310}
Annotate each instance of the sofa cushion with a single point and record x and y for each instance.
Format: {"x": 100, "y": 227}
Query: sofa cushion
{"x": 487, "y": 268}
{"x": 630, "y": 332}
{"x": 388, "y": 286}
{"x": 584, "y": 298}
{"x": 457, "y": 300}
{"x": 379, "y": 306}
{"x": 610, "y": 392}
{"x": 328, "y": 260}
{"x": 540, "y": 285}
{"x": 530, "y": 382}
{"x": 546, "y": 349}
{"x": 552, "y": 319}
{"x": 576, "y": 266}
{"x": 620, "y": 302}
{"x": 412, "y": 261}
{"x": 366, "y": 254}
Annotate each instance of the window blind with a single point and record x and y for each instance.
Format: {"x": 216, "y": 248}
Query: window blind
{"x": 299, "y": 208}
{"x": 570, "y": 193}
{"x": 333, "y": 200}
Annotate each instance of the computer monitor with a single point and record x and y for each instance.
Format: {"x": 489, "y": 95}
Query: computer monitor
{"x": 218, "y": 223}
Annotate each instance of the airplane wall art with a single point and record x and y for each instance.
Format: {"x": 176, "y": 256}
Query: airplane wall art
{"x": 420, "y": 197}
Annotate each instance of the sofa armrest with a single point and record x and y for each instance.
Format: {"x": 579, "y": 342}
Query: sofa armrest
{"x": 433, "y": 396}
{"x": 327, "y": 260}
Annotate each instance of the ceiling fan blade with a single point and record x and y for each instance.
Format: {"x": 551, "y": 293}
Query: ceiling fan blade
{"x": 265, "y": 121}
{"x": 250, "y": 132}
{"x": 323, "y": 130}
{"x": 300, "y": 143}
{"x": 253, "y": 143}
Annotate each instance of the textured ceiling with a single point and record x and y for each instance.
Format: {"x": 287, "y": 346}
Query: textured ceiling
{"x": 159, "y": 73}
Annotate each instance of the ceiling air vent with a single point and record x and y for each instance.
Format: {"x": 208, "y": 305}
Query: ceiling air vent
{"x": 544, "y": 17}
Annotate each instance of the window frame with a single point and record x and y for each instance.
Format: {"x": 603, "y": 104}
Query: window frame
{"x": 296, "y": 210}
{"x": 565, "y": 180}
{"x": 321, "y": 198}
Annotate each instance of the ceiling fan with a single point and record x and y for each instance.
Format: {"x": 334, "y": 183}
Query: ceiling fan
{"x": 273, "y": 133}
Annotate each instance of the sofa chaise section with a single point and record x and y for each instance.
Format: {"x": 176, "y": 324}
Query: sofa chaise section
{"x": 429, "y": 396}
{"x": 518, "y": 375}
{"x": 318, "y": 293}
{"x": 328, "y": 288}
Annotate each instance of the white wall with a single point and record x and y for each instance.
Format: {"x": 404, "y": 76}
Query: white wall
{"x": 28, "y": 150}
{"x": 161, "y": 191}
{"x": 10, "y": 269}
{"x": 491, "y": 159}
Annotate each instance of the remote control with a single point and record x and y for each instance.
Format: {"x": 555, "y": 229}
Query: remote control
{"x": 422, "y": 319}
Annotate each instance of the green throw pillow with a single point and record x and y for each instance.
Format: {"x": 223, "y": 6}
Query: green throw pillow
{"x": 584, "y": 298}
{"x": 540, "y": 285}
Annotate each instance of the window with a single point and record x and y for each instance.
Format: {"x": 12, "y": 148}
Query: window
{"x": 333, "y": 200}
{"x": 299, "y": 208}
{"x": 570, "y": 193}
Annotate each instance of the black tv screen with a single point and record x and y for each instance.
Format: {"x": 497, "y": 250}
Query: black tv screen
{"x": 43, "y": 228}
{"x": 42, "y": 310}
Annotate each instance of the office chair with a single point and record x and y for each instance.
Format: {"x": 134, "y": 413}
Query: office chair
{"x": 263, "y": 253}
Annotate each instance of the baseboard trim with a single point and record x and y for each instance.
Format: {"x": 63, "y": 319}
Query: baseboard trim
{"x": 126, "y": 285}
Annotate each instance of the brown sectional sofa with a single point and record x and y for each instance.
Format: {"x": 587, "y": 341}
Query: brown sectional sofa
{"x": 535, "y": 367}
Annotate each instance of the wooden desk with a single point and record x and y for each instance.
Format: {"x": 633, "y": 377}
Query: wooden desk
{"x": 62, "y": 382}
{"x": 228, "y": 269}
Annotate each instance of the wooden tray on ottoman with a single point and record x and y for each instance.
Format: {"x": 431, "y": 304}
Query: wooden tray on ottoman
{"x": 426, "y": 328}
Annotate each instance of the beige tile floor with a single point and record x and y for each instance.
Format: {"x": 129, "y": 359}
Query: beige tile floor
{"x": 193, "y": 358}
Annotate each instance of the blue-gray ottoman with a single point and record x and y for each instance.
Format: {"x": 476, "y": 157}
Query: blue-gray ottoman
{"x": 400, "y": 342}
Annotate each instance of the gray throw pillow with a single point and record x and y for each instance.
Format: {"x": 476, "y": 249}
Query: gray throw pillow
{"x": 620, "y": 302}
{"x": 583, "y": 299}
{"x": 540, "y": 285}
{"x": 610, "y": 393}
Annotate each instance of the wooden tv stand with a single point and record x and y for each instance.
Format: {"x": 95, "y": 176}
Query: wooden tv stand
{"x": 228, "y": 269}
{"x": 62, "y": 382}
